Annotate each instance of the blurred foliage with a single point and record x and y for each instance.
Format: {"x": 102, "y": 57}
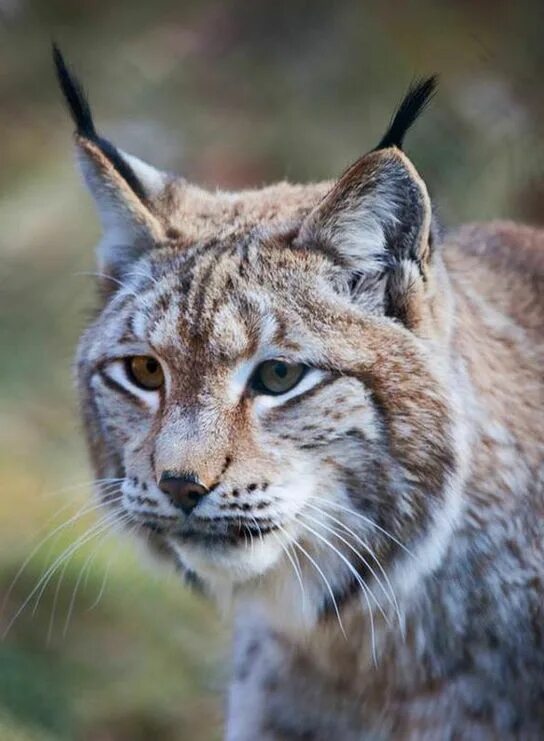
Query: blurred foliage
{"x": 230, "y": 94}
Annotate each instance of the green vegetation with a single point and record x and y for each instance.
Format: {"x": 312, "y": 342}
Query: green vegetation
{"x": 230, "y": 94}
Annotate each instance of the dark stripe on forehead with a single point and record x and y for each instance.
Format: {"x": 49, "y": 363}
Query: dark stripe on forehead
{"x": 249, "y": 251}
{"x": 225, "y": 287}
{"x": 128, "y": 334}
{"x": 200, "y": 287}
{"x": 186, "y": 276}
{"x": 163, "y": 301}
{"x": 189, "y": 270}
{"x": 209, "y": 289}
{"x": 184, "y": 268}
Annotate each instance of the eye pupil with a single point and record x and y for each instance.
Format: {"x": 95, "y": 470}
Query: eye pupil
{"x": 277, "y": 377}
{"x": 145, "y": 371}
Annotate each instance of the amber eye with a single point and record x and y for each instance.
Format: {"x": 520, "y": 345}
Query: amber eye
{"x": 145, "y": 372}
{"x": 277, "y": 377}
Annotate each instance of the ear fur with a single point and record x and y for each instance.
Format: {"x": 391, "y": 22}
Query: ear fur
{"x": 378, "y": 212}
{"x": 375, "y": 222}
{"x": 129, "y": 225}
{"x": 123, "y": 186}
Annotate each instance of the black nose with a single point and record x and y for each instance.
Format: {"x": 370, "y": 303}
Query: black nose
{"x": 184, "y": 489}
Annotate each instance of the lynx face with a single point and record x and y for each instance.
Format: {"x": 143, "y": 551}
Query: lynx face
{"x": 266, "y": 376}
{"x": 278, "y": 396}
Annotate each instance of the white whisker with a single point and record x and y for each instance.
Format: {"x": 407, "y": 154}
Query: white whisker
{"x": 353, "y": 571}
{"x": 68, "y": 552}
{"x": 86, "y": 563}
{"x": 102, "y": 589}
{"x": 80, "y": 513}
{"x": 54, "y": 605}
{"x": 80, "y": 485}
{"x": 326, "y": 581}
{"x": 369, "y": 521}
{"x": 340, "y": 537}
{"x": 258, "y": 529}
{"x": 296, "y": 569}
{"x": 251, "y": 537}
{"x": 96, "y": 274}
{"x": 390, "y": 596}
{"x": 146, "y": 276}
{"x": 94, "y": 530}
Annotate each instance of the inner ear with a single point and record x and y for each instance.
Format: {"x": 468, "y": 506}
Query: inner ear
{"x": 375, "y": 223}
{"x": 379, "y": 211}
{"x": 130, "y": 227}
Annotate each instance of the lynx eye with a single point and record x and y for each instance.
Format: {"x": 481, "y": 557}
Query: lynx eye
{"x": 145, "y": 372}
{"x": 277, "y": 377}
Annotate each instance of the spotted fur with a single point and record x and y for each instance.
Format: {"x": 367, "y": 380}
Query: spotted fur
{"x": 378, "y": 529}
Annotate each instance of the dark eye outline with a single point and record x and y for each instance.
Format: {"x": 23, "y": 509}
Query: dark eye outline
{"x": 257, "y": 386}
{"x": 127, "y": 364}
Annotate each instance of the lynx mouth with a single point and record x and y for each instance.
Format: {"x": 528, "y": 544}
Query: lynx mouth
{"x": 234, "y": 536}
{"x": 214, "y": 533}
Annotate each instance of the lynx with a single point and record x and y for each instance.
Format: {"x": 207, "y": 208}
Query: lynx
{"x": 328, "y": 415}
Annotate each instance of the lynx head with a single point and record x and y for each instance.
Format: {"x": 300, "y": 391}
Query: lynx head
{"x": 268, "y": 375}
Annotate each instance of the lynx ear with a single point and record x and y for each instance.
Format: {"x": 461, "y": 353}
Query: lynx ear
{"x": 376, "y": 220}
{"x": 123, "y": 187}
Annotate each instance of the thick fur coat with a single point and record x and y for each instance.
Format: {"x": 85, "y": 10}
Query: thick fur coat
{"x": 376, "y": 523}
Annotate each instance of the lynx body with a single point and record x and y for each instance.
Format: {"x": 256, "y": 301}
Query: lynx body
{"x": 329, "y": 417}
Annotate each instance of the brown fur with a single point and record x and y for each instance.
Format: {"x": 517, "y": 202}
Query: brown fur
{"x": 401, "y": 488}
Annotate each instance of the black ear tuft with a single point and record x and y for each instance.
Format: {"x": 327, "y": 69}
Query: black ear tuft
{"x": 76, "y": 99}
{"x": 81, "y": 114}
{"x": 419, "y": 95}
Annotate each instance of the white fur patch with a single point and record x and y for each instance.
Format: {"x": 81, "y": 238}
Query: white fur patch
{"x": 239, "y": 379}
{"x": 264, "y": 402}
{"x": 153, "y": 180}
{"x": 116, "y": 371}
{"x": 430, "y": 552}
{"x": 357, "y": 231}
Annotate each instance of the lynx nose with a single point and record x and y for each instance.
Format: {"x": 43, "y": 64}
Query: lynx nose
{"x": 184, "y": 489}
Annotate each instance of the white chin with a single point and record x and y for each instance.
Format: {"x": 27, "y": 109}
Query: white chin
{"x": 236, "y": 564}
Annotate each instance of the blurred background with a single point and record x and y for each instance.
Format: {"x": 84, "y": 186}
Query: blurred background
{"x": 230, "y": 94}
